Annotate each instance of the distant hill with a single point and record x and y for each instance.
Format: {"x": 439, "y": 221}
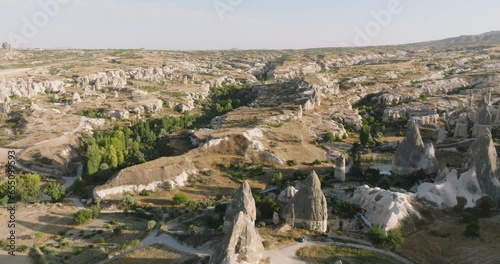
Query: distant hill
{"x": 492, "y": 37}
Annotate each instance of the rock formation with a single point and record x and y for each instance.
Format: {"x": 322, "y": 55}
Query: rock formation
{"x": 6, "y": 46}
{"x": 308, "y": 207}
{"x": 481, "y": 162}
{"x": 382, "y": 207}
{"x": 479, "y": 177}
{"x": 76, "y": 98}
{"x": 462, "y": 128}
{"x": 483, "y": 119}
{"x": 242, "y": 243}
{"x": 340, "y": 168}
{"x": 412, "y": 155}
{"x": 28, "y": 87}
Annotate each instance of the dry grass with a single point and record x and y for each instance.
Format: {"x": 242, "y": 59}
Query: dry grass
{"x": 155, "y": 254}
{"x": 331, "y": 254}
{"x": 426, "y": 247}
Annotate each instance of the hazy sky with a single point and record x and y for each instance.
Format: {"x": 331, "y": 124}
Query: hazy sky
{"x": 245, "y": 24}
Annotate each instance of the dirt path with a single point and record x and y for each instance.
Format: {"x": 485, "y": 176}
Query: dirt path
{"x": 163, "y": 239}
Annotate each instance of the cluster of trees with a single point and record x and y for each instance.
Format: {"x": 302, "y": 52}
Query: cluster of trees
{"x": 227, "y": 98}
{"x": 28, "y": 189}
{"x": 123, "y": 146}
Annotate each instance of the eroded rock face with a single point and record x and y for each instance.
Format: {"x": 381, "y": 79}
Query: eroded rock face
{"x": 6, "y": 46}
{"x": 308, "y": 207}
{"x": 340, "y": 168}
{"x": 242, "y": 242}
{"x": 117, "y": 79}
{"x": 382, "y": 207}
{"x": 412, "y": 155}
{"x": 28, "y": 87}
{"x": 483, "y": 120}
{"x": 242, "y": 202}
{"x": 479, "y": 178}
{"x": 481, "y": 159}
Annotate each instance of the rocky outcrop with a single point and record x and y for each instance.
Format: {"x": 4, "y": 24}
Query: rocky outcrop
{"x": 76, "y": 99}
{"x": 118, "y": 114}
{"x": 479, "y": 178}
{"x": 6, "y": 46}
{"x": 462, "y": 128}
{"x": 412, "y": 155}
{"x": 115, "y": 79}
{"x": 384, "y": 208}
{"x": 242, "y": 243}
{"x": 243, "y": 201}
{"x": 286, "y": 195}
{"x": 148, "y": 176}
{"x": 481, "y": 161}
{"x": 293, "y": 71}
{"x": 308, "y": 207}
{"x": 28, "y": 87}
{"x": 483, "y": 120}
{"x": 340, "y": 168}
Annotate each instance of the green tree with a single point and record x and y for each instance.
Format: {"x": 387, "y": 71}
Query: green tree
{"x": 96, "y": 211}
{"x": 278, "y": 180}
{"x": 55, "y": 191}
{"x": 377, "y": 235}
{"x": 469, "y": 218}
{"x": 485, "y": 204}
{"x": 180, "y": 198}
{"x": 472, "y": 230}
{"x": 330, "y": 137}
{"x": 28, "y": 187}
{"x": 157, "y": 214}
{"x": 151, "y": 224}
{"x": 82, "y": 217}
{"x": 128, "y": 201}
{"x": 93, "y": 159}
{"x": 365, "y": 136}
{"x": 112, "y": 158}
{"x": 395, "y": 237}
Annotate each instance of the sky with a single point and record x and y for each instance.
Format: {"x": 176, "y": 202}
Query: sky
{"x": 238, "y": 24}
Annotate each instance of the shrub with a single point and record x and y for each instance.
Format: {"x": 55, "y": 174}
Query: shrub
{"x": 128, "y": 201}
{"x": 168, "y": 186}
{"x": 278, "y": 180}
{"x": 102, "y": 240}
{"x": 291, "y": 163}
{"x": 117, "y": 230}
{"x": 140, "y": 212}
{"x": 157, "y": 214}
{"x": 469, "y": 218}
{"x": 472, "y": 230}
{"x": 377, "y": 235}
{"x": 130, "y": 244}
{"x": 82, "y": 217}
{"x": 145, "y": 193}
{"x": 55, "y": 191}
{"x": 151, "y": 224}
{"x": 395, "y": 237}
{"x": 317, "y": 162}
{"x": 266, "y": 244}
{"x": 96, "y": 211}
{"x": 330, "y": 137}
{"x": 180, "y": 198}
